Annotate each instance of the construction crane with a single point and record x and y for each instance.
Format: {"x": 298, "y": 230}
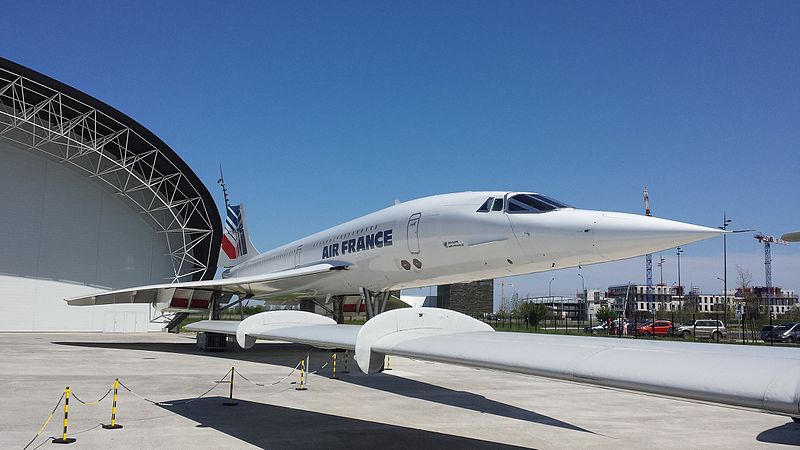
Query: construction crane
{"x": 767, "y": 240}
{"x": 649, "y": 258}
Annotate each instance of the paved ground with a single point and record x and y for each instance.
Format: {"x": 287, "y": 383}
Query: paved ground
{"x": 416, "y": 405}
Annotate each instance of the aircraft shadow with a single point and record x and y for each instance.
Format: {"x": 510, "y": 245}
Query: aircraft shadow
{"x": 787, "y": 434}
{"x": 451, "y": 397}
{"x": 278, "y": 427}
{"x": 287, "y": 354}
{"x": 272, "y": 353}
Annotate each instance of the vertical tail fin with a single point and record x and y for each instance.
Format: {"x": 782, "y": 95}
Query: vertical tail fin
{"x": 236, "y": 244}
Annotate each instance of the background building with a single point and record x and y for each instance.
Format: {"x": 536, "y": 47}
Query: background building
{"x": 780, "y": 302}
{"x": 468, "y": 298}
{"x": 93, "y": 200}
{"x": 633, "y": 297}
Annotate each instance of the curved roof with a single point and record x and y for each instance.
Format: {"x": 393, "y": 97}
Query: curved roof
{"x": 71, "y": 127}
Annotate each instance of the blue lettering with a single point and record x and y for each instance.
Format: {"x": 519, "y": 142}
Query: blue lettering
{"x": 360, "y": 244}
{"x": 334, "y": 250}
{"x": 387, "y": 237}
{"x": 351, "y": 246}
{"x": 344, "y": 247}
{"x": 325, "y": 252}
{"x": 370, "y": 241}
{"x": 379, "y": 239}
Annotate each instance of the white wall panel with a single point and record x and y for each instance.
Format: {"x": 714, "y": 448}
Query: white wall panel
{"x": 63, "y": 235}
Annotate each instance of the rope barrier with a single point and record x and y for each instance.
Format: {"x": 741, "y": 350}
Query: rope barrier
{"x": 271, "y": 384}
{"x": 300, "y": 365}
{"x": 49, "y": 418}
{"x": 322, "y": 366}
{"x": 183, "y": 402}
{"x": 94, "y": 402}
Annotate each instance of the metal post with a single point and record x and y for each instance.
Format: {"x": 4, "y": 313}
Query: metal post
{"x": 333, "y": 374}
{"x": 64, "y": 439}
{"x": 302, "y": 386}
{"x": 386, "y": 367}
{"x": 345, "y": 363}
{"x": 114, "y": 425}
{"x": 231, "y": 401}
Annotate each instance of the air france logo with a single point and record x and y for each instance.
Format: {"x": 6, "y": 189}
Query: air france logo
{"x": 361, "y": 243}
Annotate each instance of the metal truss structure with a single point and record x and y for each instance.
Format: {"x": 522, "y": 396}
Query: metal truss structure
{"x": 43, "y": 115}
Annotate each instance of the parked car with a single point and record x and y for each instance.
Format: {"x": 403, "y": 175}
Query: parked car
{"x": 704, "y": 329}
{"x": 661, "y": 328}
{"x": 785, "y": 332}
{"x": 600, "y": 328}
{"x": 765, "y": 332}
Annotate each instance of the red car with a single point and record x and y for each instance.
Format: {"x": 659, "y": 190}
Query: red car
{"x": 661, "y": 328}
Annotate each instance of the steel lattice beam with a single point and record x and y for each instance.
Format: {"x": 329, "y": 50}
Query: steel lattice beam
{"x": 44, "y": 120}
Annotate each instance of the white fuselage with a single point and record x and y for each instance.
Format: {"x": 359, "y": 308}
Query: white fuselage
{"x": 445, "y": 239}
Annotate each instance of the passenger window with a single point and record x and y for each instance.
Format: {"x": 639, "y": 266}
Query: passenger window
{"x": 486, "y": 205}
{"x": 498, "y": 204}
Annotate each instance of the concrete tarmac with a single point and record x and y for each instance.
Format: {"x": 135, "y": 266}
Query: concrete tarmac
{"x": 417, "y": 404}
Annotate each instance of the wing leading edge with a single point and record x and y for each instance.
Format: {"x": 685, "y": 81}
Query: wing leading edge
{"x": 196, "y": 294}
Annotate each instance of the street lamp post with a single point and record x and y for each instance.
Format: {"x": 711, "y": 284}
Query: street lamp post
{"x": 724, "y": 299}
{"x": 585, "y": 301}
{"x": 725, "y": 222}
{"x": 550, "y": 299}
{"x": 661, "y": 268}
{"x": 680, "y": 287}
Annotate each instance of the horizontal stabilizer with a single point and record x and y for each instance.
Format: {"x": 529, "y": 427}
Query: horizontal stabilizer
{"x": 762, "y": 378}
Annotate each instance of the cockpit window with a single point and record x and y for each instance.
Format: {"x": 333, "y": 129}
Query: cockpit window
{"x": 552, "y": 201}
{"x": 498, "y": 204}
{"x": 486, "y": 205}
{"x": 533, "y": 203}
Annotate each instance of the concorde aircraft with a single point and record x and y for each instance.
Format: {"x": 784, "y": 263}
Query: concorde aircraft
{"x": 463, "y": 237}
{"x": 441, "y": 239}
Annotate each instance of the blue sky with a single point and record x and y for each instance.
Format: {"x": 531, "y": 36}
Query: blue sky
{"x": 324, "y": 111}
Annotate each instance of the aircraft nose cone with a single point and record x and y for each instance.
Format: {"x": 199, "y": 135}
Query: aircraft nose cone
{"x": 619, "y": 235}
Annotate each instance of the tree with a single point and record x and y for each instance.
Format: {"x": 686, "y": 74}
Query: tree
{"x": 534, "y": 312}
{"x": 751, "y": 300}
{"x": 605, "y": 313}
{"x": 514, "y": 303}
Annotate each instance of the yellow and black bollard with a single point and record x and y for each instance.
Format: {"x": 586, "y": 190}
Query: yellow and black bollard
{"x": 114, "y": 425}
{"x": 345, "y": 363}
{"x": 302, "y": 386}
{"x": 231, "y": 401}
{"x": 64, "y": 439}
{"x": 386, "y": 366}
{"x": 333, "y": 370}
